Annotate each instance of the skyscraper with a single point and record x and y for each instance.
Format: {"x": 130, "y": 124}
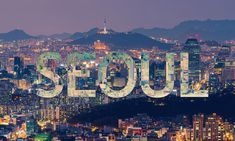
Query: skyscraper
{"x": 214, "y": 128}
{"x": 214, "y": 83}
{"x": 228, "y": 73}
{"x": 193, "y": 48}
{"x": 198, "y": 127}
{"x": 18, "y": 66}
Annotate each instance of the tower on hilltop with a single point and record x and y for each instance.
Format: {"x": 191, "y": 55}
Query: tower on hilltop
{"x": 104, "y": 30}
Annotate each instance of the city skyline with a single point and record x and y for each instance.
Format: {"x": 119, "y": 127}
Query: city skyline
{"x": 50, "y": 17}
{"x": 127, "y": 70}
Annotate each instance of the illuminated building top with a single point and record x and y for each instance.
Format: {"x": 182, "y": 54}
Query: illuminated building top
{"x": 98, "y": 45}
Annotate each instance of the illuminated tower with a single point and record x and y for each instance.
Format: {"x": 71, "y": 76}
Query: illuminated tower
{"x": 104, "y": 31}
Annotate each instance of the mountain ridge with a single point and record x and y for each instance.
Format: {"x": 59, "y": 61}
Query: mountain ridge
{"x": 15, "y": 34}
{"x": 120, "y": 40}
{"x": 219, "y": 30}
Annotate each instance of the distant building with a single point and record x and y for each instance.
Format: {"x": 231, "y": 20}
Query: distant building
{"x": 228, "y": 73}
{"x": 214, "y": 83}
{"x": 198, "y": 127}
{"x": 18, "y": 66}
{"x": 223, "y": 53}
{"x": 193, "y": 48}
{"x": 134, "y": 131}
{"x": 119, "y": 82}
{"x": 100, "y": 46}
{"x": 22, "y": 84}
{"x": 42, "y": 137}
{"x": 214, "y": 128}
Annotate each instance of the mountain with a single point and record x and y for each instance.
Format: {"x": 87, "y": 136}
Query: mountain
{"x": 79, "y": 35}
{"x": 60, "y": 36}
{"x": 219, "y": 30}
{"x": 118, "y": 40}
{"x": 15, "y": 35}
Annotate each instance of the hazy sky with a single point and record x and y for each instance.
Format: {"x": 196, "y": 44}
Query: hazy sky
{"x": 56, "y": 16}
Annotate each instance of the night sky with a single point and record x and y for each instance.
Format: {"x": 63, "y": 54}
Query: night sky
{"x": 57, "y": 16}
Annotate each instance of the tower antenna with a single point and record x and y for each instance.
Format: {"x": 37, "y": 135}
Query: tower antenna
{"x": 105, "y": 28}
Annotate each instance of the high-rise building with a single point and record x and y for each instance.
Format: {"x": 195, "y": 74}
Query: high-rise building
{"x": 214, "y": 128}
{"x": 214, "y": 83}
{"x": 228, "y": 131}
{"x": 157, "y": 75}
{"x": 224, "y": 52}
{"x": 228, "y": 73}
{"x": 30, "y": 126}
{"x": 18, "y": 66}
{"x": 198, "y": 127}
{"x": 193, "y": 48}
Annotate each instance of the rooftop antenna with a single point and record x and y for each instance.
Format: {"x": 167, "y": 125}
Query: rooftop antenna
{"x": 105, "y": 28}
